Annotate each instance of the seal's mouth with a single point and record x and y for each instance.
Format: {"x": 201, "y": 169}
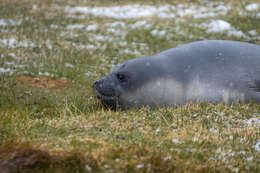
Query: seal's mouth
{"x": 105, "y": 96}
{"x": 108, "y": 100}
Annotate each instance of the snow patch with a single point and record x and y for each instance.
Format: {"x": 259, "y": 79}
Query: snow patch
{"x": 139, "y": 24}
{"x": 144, "y": 11}
{"x": 221, "y": 26}
{"x": 92, "y": 27}
{"x": 257, "y": 146}
{"x": 46, "y": 74}
{"x": 158, "y": 33}
{"x": 129, "y": 51}
{"x": 140, "y": 166}
{"x": 213, "y": 130}
{"x": 252, "y": 32}
{"x": 5, "y": 70}
{"x": 218, "y": 26}
{"x": 177, "y": 141}
{"x": 69, "y": 65}
{"x": 75, "y": 26}
{"x": 12, "y": 55}
{"x": 212, "y": 10}
{"x": 125, "y": 12}
{"x": 35, "y": 6}
{"x": 54, "y": 26}
{"x": 13, "y": 43}
{"x": 252, "y": 7}
{"x": 252, "y": 122}
{"x": 116, "y": 24}
{"x": 10, "y": 22}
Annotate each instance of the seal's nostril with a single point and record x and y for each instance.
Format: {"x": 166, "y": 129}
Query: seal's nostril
{"x": 95, "y": 84}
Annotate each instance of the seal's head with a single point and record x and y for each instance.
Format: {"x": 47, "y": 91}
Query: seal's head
{"x": 121, "y": 89}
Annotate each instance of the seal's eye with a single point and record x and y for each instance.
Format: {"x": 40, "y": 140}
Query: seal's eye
{"x": 121, "y": 77}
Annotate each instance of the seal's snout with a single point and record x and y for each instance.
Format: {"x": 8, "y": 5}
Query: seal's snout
{"x": 98, "y": 84}
{"x": 95, "y": 84}
{"x": 103, "y": 88}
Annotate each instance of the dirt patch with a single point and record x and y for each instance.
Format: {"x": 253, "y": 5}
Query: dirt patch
{"x": 24, "y": 158}
{"x": 45, "y": 82}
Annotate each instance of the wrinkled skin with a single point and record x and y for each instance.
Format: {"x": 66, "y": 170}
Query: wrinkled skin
{"x": 216, "y": 71}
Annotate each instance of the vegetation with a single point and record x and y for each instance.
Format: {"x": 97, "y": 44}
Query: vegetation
{"x": 50, "y": 120}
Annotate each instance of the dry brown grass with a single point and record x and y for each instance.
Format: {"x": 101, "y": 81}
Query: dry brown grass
{"x": 44, "y": 82}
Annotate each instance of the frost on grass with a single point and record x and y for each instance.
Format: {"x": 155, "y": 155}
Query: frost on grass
{"x": 144, "y": 11}
{"x": 76, "y": 26}
{"x": 257, "y": 146}
{"x": 252, "y": 122}
{"x": 5, "y": 70}
{"x": 125, "y": 12}
{"x": 252, "y": 32}
{"x": 177, "y": 141}
{"x": 159, "y": 33}
{"x": 10, "y": 22}
{"x": 13, "y": 43}
{"x": 252, "y": 7}
{"x": 213, "y": 130}
{"x": 221, "y": 26}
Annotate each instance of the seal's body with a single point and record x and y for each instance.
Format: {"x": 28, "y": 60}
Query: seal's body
{"x": 217, "y": 71}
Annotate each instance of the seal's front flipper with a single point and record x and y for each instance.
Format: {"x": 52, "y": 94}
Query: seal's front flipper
{"x": 255, "y": 88}
{"x": 255, "y": 85}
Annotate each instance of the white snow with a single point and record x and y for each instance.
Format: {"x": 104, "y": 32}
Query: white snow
{"x": 13, "y": 43}
{"x": 213, "y": 130}
{"x": 129, "y": 51}
{"x": 218, "y": 26}
{"x": 236, "y": 33}
{"x": 158, "y": 130}
{"x": 250, "y": 158}
{"x": 69, "y": 65}
{"x": 103, "y": 38}
{"x": 158, "y": 33}
{"x": 212, "y": 10}
{"x": 144, "y": 11}
{"x": 75, "y": 26}
{"x": 221, "y": 26}
{"x": 177, "y": 141}
{"x": 125, "y": 12}
{"x": 5, "y": 70}
{"x": 195, "y": 139}
{"x": 140, "y": 166}
{"x": 54, "y": 26}
{"x": 10, "y": 63}
{"x": 252, "y": 122}
{"x": 115, "y": 24}
{"x": 3, "y": 23}
{"x": 88, "y": 168}
{"x": 252, "y": 7}
{"x": 92, "y": 27}
{"x": 142, "y": 23}
{"x": 252, "y": 32}
{"x": 12, "y": 55}
{"x": 235, "y": 169}
{"x": 34, "y": 6}
{"x": 257, "y": 146}
{"x": 10, "y": 22}
{"x": 46, "y": 74}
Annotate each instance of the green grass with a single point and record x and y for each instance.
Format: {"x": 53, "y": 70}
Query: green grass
{"x": 67, "y": 130}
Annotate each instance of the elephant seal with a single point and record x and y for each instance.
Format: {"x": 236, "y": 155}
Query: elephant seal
{"x": 215, "y": 71}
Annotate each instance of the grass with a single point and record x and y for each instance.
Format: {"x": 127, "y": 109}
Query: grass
{"x": 65, "y": 129}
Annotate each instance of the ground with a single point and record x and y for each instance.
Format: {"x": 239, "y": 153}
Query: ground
{"x": 50, "y": 121}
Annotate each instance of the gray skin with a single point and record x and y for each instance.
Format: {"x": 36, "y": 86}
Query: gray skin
{"x": 215, "y": 71}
